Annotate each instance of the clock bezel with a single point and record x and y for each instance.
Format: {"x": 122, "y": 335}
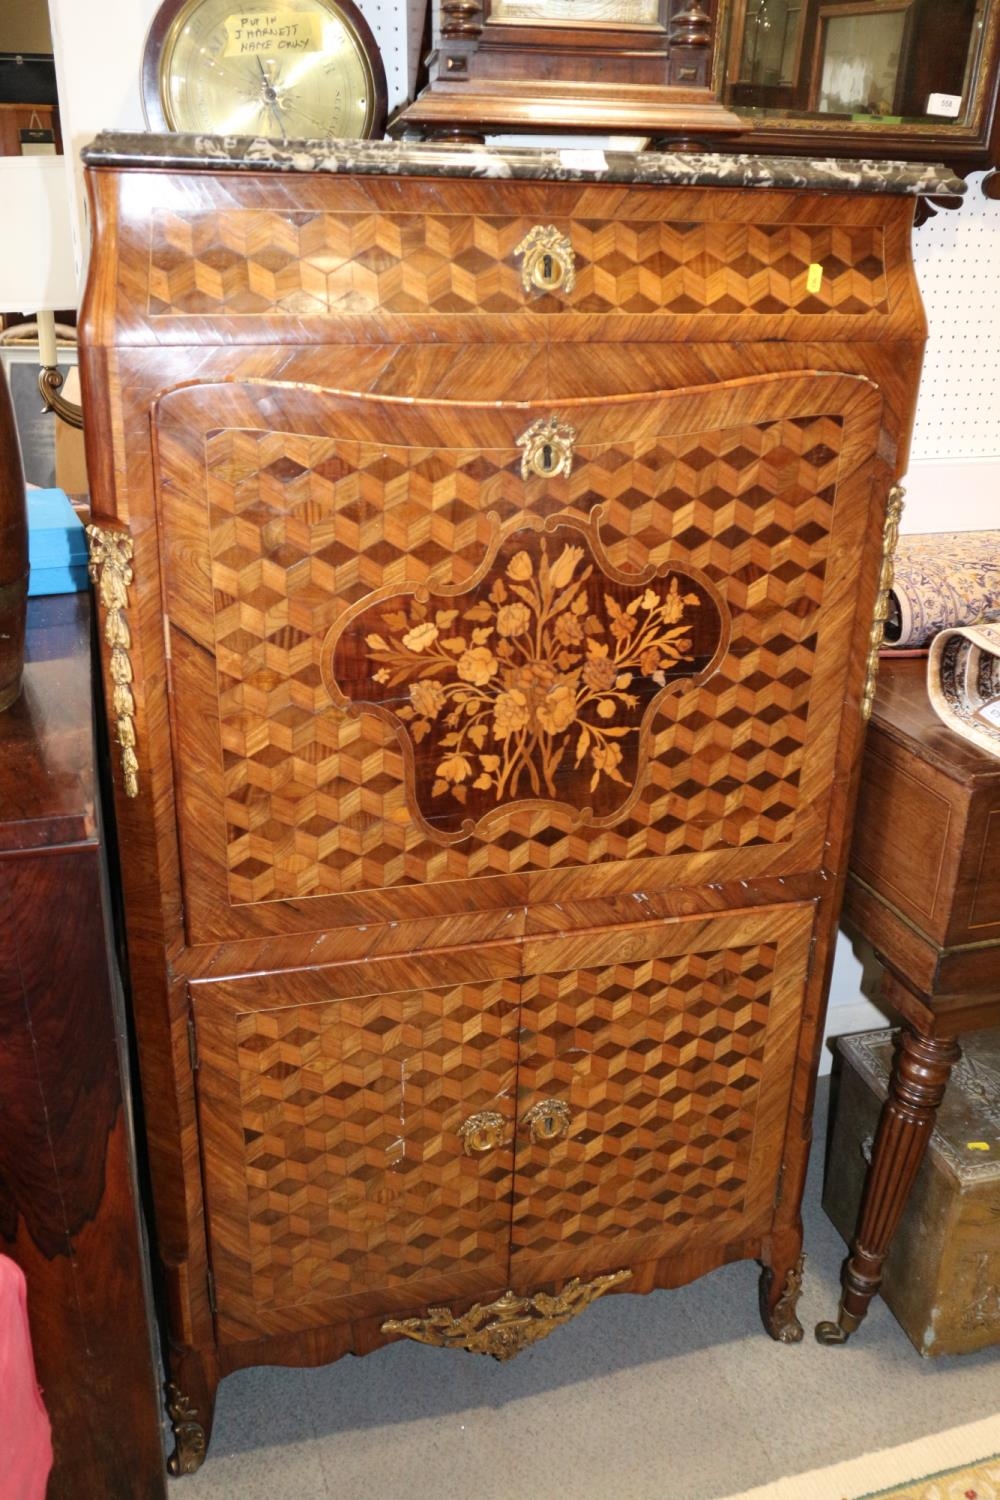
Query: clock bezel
{"x": 173, "y": 14}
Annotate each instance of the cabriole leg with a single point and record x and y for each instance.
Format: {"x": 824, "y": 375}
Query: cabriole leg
{"x": 781, "y": 1285}
{"x": 190, "y": 1398}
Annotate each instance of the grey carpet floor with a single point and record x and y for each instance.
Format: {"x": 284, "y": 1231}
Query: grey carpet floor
{"x": 674, "y": 1396}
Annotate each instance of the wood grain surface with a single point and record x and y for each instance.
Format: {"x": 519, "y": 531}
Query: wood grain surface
{"x": 389, "y": 867}
{"x": 69, "y": 1212}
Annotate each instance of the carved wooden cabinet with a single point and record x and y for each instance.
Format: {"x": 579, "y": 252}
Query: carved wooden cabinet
{"x": 489, "y": 546}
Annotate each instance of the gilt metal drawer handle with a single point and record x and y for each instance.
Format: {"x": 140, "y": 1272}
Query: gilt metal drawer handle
{"x": 549, "y": 264}
{"x": 548, "y": 1121}
{"x": 482, "y": 1133}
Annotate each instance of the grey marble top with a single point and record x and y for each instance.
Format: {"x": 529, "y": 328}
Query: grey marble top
{"x": 542, "y": 164}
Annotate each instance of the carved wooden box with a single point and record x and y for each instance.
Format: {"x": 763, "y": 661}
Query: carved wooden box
{"x": 489, "y": 547}
{"x": 942, "y": 1273}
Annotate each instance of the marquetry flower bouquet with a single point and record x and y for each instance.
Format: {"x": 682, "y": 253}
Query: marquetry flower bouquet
{"x": 529, "y": 678}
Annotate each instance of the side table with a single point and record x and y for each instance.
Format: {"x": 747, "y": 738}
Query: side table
{"x": 924, "y": 889}
{"x": 68, "y": 1204}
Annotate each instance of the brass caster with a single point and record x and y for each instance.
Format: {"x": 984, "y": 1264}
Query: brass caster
{"x": 831, "y": 1333}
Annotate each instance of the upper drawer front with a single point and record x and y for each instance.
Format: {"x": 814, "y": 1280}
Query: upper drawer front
{"x": 259, "y": 260}
{"x": 293, "y": 264}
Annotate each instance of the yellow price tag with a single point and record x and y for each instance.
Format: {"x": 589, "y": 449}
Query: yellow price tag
{"x": 814, "y": 278}
{"x": 269, "y": 33}
{"x": 977, "y": 1145}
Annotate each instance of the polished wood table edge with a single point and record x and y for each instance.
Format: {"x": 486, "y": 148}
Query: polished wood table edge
{"x": 915, "y": 725}
{"x": 937, "y": 991}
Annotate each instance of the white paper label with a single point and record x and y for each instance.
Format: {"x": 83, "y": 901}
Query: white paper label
{"x": 947, "y": 105}
{"x": 265, "y": 33}
{"x": 584, "y": 161}
{"x": 991, "y": 713}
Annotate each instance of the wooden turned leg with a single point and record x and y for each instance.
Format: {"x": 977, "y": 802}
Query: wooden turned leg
{"x": 916, "y": 1087}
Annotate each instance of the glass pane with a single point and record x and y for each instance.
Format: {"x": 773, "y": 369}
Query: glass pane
{"x": 770, "y": 42}
{"x": 905, "y": 61}
{"x": 859, "y": 63}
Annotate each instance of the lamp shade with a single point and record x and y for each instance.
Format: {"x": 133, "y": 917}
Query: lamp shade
{"x": 36, "y": 247}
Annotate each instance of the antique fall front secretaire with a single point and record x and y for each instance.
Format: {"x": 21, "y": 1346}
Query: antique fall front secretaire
{"x": 488, "y": 546}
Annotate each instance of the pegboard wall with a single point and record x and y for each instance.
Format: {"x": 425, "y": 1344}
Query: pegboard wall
{"x": 957, "y": 258}
{"x": 397, "y": 29}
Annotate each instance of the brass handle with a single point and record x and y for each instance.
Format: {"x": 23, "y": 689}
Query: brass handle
{"x": 482, "y": 1133}
{"x": 549, "y": 264}
{"x": 548, "y": 1121}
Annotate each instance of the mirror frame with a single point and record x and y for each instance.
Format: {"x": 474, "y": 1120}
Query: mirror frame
{"x": 965, "y": 148}
{"x": 485, "y": 77}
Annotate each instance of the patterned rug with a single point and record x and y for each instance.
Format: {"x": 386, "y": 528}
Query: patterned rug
{"x": 961, "y": 1464}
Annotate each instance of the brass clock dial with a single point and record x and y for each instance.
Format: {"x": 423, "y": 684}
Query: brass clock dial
{"x": 301, "y": 69}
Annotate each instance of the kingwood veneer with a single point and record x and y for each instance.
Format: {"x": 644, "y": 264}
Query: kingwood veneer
{"x": 487, "y": 634}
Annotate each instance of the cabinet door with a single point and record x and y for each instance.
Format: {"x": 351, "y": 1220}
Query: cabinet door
{"x": 339, "y": 1181}
{"x": 430, "y": 658}
{"x": 653, "y": 1088}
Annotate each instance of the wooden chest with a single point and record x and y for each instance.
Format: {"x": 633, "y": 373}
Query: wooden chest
{"x": 489, "y": 545}
{"x": 942, "y": 1274}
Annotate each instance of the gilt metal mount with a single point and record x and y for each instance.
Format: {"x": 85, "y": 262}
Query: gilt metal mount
{"x": 111, "y": 571}
{"x": 548, "y": 448}
{"x": 189, "y": 1434}
{"x": 505, "y": 1327}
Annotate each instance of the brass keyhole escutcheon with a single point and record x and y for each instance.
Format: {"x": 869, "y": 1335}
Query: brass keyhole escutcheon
{"x": 548, "y": 1121}
{"x": 549, "y": 264}
{"x": 482, "y": 1133}
{"x": 547, "y": 449}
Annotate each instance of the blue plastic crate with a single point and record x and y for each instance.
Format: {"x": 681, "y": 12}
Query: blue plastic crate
{"x": 57, "y": 544}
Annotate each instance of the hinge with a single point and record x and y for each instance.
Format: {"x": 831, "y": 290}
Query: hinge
{"x": 192, "y": 1045}
{"x": 211, "y": 1293}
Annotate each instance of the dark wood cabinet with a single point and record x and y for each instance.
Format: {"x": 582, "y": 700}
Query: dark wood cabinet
{"x": 69, "y": 1210}
{"x": 489, "y": 569}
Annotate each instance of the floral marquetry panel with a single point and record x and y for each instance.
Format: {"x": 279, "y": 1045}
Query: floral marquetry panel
{"x": 408, "y": 659}
{"x": 537, "y": 685}
{"x": 335, "y": 1161}
{"x": 667, "y": 1048}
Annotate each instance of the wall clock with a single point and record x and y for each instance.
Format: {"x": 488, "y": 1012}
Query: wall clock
{"x": 300, "y": 69}
{"x": 641, "y": 66}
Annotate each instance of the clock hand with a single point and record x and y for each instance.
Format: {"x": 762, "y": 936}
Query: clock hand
{"x": 305, "y": 114}
{"x": 269, "y": 98}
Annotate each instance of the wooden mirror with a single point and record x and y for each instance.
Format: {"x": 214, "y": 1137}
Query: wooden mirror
{"x": 885, "y": 79}
{"x": 912, "y": 79}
